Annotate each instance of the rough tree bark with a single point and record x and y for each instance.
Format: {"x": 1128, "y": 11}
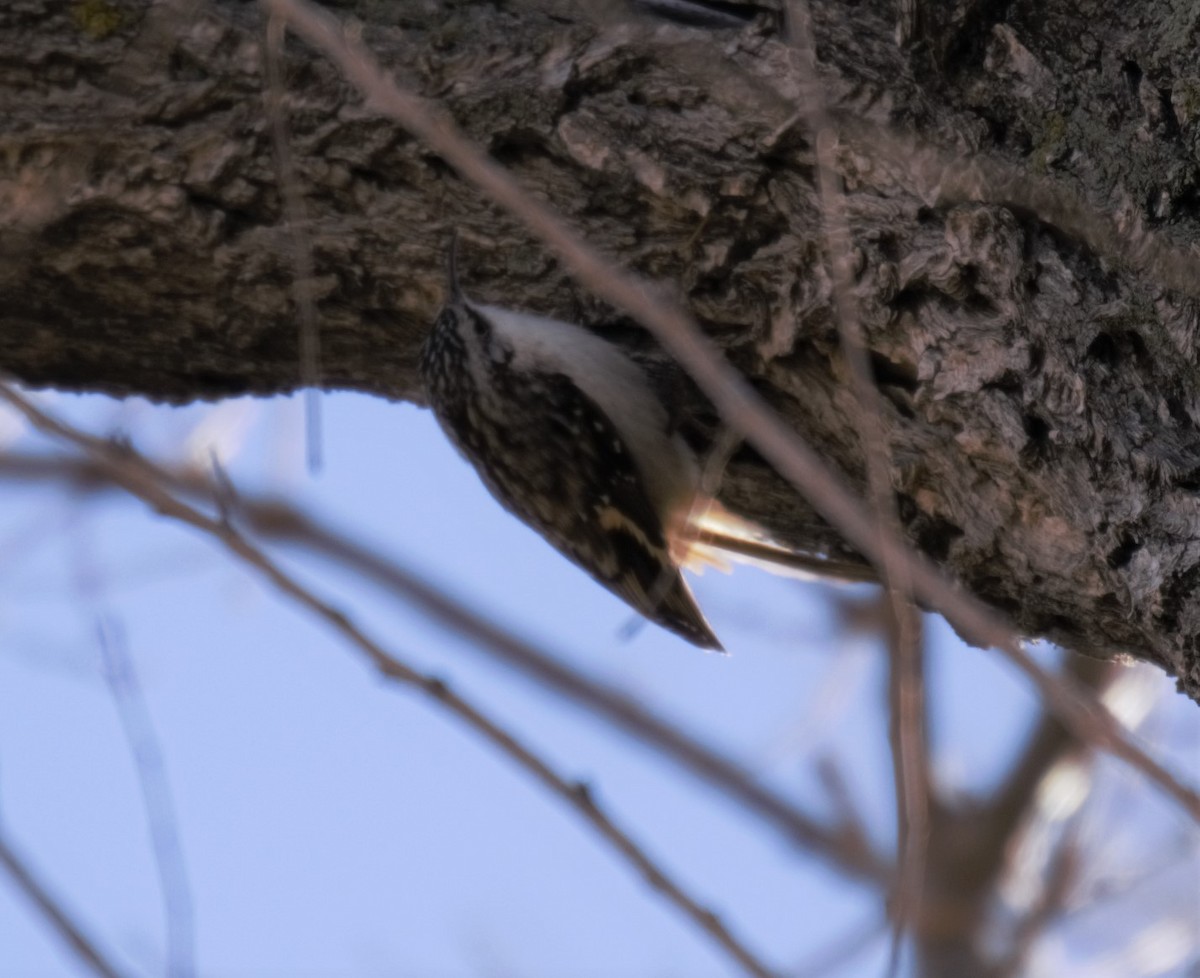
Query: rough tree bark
{"x": 1040, "y": 395}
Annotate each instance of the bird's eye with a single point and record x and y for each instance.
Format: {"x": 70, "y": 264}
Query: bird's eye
{"x": 480, "y": 326}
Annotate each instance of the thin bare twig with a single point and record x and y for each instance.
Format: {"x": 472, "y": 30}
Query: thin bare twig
{"x": 152, "y": 776}
{"x": 909, "y": 737}
{"x": 845, "y": 846}
{"x": 739, "y": 405}
{"x": 142, "y": 479}
{"x": 910, "y": 760}
{"x": 68, "y": 929}
{"x": 1059, "y": 879}
{"x": 837, "y": 789}
{"x": 842, "y": 846}
{"x": 1048, "y": 743}
{"x": 966, "y": 874}
{"x": 296, "y": 226}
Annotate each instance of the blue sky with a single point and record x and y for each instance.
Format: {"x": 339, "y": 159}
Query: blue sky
{"x": 332, "y": 824}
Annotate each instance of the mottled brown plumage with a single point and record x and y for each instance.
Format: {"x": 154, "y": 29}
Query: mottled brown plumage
{"x": 567, "y": 433}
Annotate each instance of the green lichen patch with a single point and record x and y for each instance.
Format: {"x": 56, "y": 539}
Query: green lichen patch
{"x": 97, "y": 18}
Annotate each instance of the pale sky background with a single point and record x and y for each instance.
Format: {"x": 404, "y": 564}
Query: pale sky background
{"x": 332, "y": 824}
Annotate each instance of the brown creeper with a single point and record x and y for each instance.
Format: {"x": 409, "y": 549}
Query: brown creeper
{"x": 568, "y": 434}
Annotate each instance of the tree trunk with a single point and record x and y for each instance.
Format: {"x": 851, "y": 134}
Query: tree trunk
{"x": 1039, "y": 391}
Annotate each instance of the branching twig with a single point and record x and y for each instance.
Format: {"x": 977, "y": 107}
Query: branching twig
{"x": 142, "y": 479}
{"x": 845, "y": 846}
{"x": 738, "y": 404}
{"x": 848, "y": 814}
{"x": 1060, "y": 876}
{"x": 983, "y": 833}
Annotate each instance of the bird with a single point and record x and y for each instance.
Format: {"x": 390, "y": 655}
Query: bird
{"x": 569, "y": 434}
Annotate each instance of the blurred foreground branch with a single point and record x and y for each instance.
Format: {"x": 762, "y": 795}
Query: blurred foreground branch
{"x": 843, "y": 845}
{"x": 139, "y": 477}
{"x": 971, "y": 841}
{"x": 739, "y": 404}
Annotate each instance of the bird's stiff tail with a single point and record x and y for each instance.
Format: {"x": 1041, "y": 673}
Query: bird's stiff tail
{"x": 713, "y": 536}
